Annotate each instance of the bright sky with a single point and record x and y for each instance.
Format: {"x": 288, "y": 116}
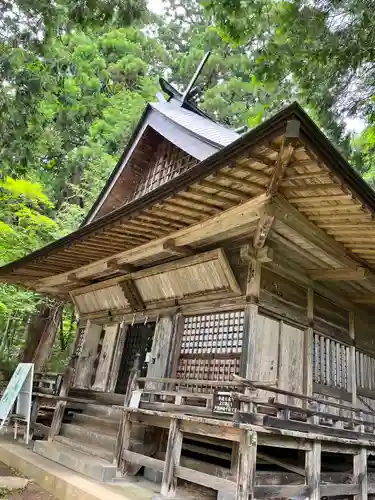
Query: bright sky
{"x": 155, "y": 6}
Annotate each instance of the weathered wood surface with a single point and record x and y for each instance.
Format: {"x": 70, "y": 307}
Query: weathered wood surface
{"x": 290, "y": 372}
{"x": 246, "y": 465}
{"x": 124, "y": 431}
{"x": 117, "y": 356}
{"x": 161, "y": 352}
{"x": 360, "y": 473}
{"x": 266, "y": 351}
{"x": 105, "y": 358}
{"x": 196, "y": 275}
{"x": 313, "y": 470}
{"x": 308, "y": 346}
{"x": 172, "y": 460}
{"x": 58, "y": 414}
{"x": 85, "y": 364}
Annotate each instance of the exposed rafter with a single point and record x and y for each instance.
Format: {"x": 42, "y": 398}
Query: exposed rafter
{"x": 132, "y": 295}
{"x": 344, "y": 274}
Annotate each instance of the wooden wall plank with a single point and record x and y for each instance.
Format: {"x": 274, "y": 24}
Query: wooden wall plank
{"x": 290, "y": 361}
{"x": 87, "y": 358}
{"x": 105, "y": 359}
{"x": 117, "y": 355}
{"x": 161, "y": 351}
{"x": 266, "y": 348}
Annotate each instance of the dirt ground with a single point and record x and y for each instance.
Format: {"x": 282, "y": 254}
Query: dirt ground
{"x": 31, "y": 492}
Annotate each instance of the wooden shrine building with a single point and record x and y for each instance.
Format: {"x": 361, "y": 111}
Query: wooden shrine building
{"x": 225, "y": 284}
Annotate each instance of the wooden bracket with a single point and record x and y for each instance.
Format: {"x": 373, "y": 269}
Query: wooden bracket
{"x": 74, "y": 281}
{"x": 124, "y": 268}
{"x": 339, "y": 274}
{"x": 132, "y": 295}
{"x": 285, "y": 155}
{"x": 264, "y": 225}
{"x": 182, "y": 251}
{"x": 263, "y": 255}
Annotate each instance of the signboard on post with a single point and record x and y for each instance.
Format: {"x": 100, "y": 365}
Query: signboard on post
{"x": 20, "y": 389}
{"x": 224, "y": 403}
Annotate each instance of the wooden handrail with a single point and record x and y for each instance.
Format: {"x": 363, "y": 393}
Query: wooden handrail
{"x": 303, "y": 397}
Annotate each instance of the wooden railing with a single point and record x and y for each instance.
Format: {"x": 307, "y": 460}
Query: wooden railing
{"x": 185, "y": 410}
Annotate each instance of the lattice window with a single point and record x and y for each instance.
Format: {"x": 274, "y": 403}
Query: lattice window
{"x": 168, "y": 162}
{"x": 330, "y": 362}
{"x": 211, "y": 346}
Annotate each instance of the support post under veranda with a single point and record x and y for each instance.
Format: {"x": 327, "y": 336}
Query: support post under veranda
{"x": 124, "y": 432}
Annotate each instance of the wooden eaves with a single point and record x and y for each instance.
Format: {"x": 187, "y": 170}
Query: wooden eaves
{"x": 325, "y": 191}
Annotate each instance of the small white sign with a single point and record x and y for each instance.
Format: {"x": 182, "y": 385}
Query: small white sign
{"x": 20, "y": 388}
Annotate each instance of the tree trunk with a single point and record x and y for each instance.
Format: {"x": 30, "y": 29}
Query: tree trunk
{"x": 41, "y": 333}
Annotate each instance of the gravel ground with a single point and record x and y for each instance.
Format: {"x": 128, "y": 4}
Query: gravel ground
{"x": 31, "y": 492}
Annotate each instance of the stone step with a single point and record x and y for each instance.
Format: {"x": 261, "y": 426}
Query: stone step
{"x": 85, "y": 448}
{"x": 103, "y": 411}
{"x": 90, "y": 466}
{"x": 89, "y": 436}
{"x": 106, "y": 424}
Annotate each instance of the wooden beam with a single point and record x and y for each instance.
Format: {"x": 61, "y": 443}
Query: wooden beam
{"x": 281, "y": 463}
{"x": 319, "y": 199}
{"x": 264, "y": 225}
{"x": 364, "y": 299}
{"x": 243, "y": 181}
{"x": 235, "y": 220}
{"x": 123, "y": 268}
{"x": 220, "y": 187}
{"x": 284, "y": 156}
{"x": 339, "y": 274}
{"x": 171, "y": 247}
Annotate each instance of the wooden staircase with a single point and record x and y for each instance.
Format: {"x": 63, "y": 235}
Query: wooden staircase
{"x": 87, "y": 444}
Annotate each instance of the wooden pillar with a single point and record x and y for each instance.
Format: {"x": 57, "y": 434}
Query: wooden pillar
{"x": 251, "y": 319}
{"x": 124, "y": 431}
{"x": 67, "y": 383}
{"x": 246, "y": 465}
{"x": 352, "y": 368}
{"x": 58, "y": 414}
{"x": 172, "y": 460}
{"x": 313, "y": 469}
{"x": 360, "y": 473}
{"x": 308, "y": 346}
